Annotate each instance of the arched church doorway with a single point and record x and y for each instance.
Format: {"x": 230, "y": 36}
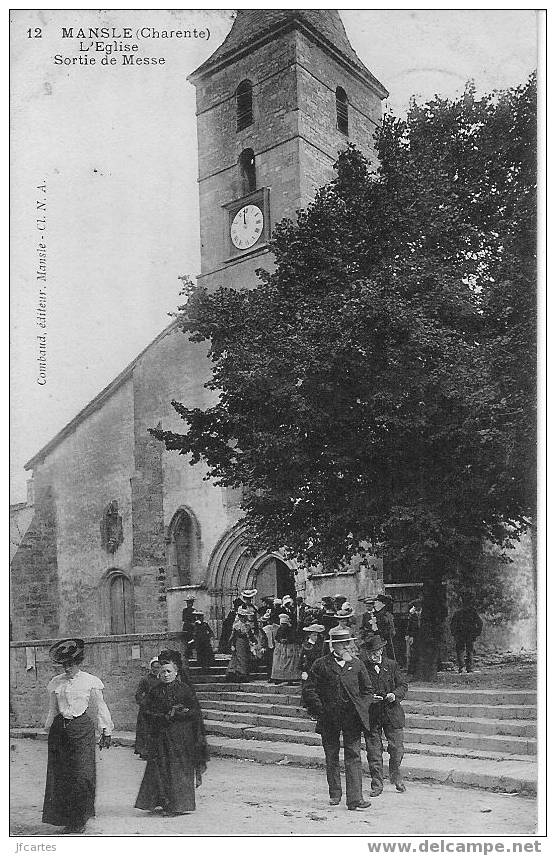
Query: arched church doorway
{"x": 274, "y": 579}
{"x": 233, "y": 567}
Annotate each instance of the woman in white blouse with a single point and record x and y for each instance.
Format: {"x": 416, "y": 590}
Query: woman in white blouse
{"x": 69, "y": 798}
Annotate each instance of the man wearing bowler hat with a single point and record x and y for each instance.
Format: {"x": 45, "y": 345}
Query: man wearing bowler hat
{"x": 338, "y": 694}
{"x": 327, "y": 616}
{"x": 388, "y": 716}
{"x": 368, "y": 625}
{"x": 385, "y": 622}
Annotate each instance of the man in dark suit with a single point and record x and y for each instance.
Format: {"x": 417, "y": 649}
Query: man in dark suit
{"x": 413, "y": 636}
{"x": 187, "y": 611}
{"x": 338, "y": 694}
{"x": 327, "y": 616}
{"x": 389, "y": 716}
{"x": 188, "y": 627}
{"x": 368, "y": 626}
{"x": 385, "y": 622}
{"x": 466, "y": 626}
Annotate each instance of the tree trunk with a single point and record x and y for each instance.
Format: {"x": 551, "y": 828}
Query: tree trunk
{"x": 433, "y": 618}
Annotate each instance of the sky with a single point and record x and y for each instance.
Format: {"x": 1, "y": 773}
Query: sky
{"x": 116, "y": 148}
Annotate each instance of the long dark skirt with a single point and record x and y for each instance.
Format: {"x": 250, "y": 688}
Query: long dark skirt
{"x": 286, "y": 662}
{"x": 205, "y": 655}
{"x": 69, "y": 798}
{"x": 142, "y": 734}
{"x": 241, "y": 660}
{"x": 169, "y": 778}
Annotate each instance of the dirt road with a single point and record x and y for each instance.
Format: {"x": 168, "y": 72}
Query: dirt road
{"x": 245, "y": 798}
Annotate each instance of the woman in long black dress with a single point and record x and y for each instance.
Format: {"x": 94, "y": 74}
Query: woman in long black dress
{"x": 177, "y": 745}
{"x": 141, "y": 729}
{"x": 287, "y": 653}
{"x": 224, "y": 645}
{"x": 203, "y": 646}
{"x": 241, "y": 661}
{"x": 170, "y": 655}
{"x": 69, "y": 798}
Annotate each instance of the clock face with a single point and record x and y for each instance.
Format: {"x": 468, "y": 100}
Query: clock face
{"x": 247, "y": 227}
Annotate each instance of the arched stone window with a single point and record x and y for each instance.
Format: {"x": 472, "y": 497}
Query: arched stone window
{"x": 247, "y": 171}
{"x": 342, "y": 120}
{"x": 120, "y": 603}
{"x": 244, "y": 104}
{"x": 183, "y": 553}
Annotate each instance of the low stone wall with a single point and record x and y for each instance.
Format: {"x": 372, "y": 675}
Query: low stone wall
{"x": 116, "y": 660}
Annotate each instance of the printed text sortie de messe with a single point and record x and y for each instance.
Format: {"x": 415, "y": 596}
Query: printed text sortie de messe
{"x": 114, "y": 41}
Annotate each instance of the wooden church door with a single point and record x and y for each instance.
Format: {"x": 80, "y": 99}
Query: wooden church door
{"x": 120, "y": 605}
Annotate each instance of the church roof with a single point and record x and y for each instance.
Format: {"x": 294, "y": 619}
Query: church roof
{"x": 97, "y": 401}
{"x": 254, "y": 26}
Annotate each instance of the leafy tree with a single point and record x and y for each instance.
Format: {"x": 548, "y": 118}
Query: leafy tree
{"x": 378, "y": 387}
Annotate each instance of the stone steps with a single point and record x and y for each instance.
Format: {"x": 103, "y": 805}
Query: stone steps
{"x": 287, "y": 732}
{"x": 255, "y": 707}
{"x": 272, "y": 717}
{"x": 507, "y": 775}
{"x": 292, "y": 698}
{"x": 417, "y": 693}
{"x": 199, "y": 677}
{"x": 477, "y": 725}
{"x": 499, "y": 773}
{"x": 492, "y": 711}
{"x": 440, "y": 709}
{"x": 289, "y": 696}
{"x": 478, "y": 737}
{"x": 471, "y": 695}
{"x": 214, "y": 671}
{"x": 469, "y": 740}
{"x": 265, "y": 719}
{"x": 273, "y": 729}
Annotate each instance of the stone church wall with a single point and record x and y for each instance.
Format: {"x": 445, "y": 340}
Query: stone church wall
{"x": 34, "y": 574}
{"x": 116, "y": 660}
{"x": 164, "y": 482}
{"x": 85, "y": 472}
{"x": 354, "y": 584}
{"x": 21, "y": 515}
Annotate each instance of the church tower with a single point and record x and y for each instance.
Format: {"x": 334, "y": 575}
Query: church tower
{"x": 276, "y": 102}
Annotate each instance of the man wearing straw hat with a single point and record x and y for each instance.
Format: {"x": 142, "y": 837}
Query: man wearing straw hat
{"x": 338, "y": 694}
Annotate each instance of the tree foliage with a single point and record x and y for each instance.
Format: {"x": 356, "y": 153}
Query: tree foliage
{"x": 378, "y": 387}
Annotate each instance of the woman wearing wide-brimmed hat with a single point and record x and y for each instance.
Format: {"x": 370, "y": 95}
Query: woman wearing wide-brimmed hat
{"x": 69, "y": 798}
{"x": 243, "y": 637}
{"x": 225, "y": 641}
{"x": 287, "y": 653}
